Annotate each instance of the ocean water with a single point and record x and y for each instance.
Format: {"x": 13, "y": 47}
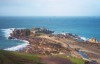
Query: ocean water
{"x": 83, "y": 26}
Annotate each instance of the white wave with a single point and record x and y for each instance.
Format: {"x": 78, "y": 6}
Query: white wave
{"x": 84, "y": 38}
{"x": 18, "y": 47}
{"x": 63, "y": 33}
{"x": 7, "y": 32}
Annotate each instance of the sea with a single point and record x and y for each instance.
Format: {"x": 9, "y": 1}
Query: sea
{"x": 84, "y": 26}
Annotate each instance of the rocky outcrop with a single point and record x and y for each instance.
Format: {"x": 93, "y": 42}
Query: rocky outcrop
{"x": 42, "y": 30}
{"x": 93, "y": 40}
{"x": 45, "y": 46}
{"x": 42, "y": 41}
{"x": 20, "y": 33}
{"x": 39, "y": 45}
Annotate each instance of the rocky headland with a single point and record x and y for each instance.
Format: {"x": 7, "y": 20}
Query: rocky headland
{"x": 43, "y": 41}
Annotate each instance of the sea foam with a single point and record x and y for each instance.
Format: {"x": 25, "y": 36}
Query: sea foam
{"x": 84, "y": 38}
{"x": 18, "y": 47}
{"x": 7, "y": 33}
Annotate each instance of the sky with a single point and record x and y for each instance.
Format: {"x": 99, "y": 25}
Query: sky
{"x": 49, "y": 7}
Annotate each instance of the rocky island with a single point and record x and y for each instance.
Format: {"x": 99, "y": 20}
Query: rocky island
{"x": 44, "y": 42}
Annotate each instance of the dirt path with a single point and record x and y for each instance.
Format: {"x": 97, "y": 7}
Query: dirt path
{"x": 53, "y": 39}
{"x": 55, "y": 60}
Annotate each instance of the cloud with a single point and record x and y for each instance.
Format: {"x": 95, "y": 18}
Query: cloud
{"x": 50, "y": 7}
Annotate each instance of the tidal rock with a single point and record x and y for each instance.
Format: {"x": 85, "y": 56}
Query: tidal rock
{"x": 93, "y": 40}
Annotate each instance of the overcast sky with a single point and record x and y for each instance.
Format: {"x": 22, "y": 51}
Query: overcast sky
{"x": 49, "y": 7}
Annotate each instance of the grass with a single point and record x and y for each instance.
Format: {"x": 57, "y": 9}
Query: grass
{"x": 26, "y": 56}
{"x": 73, "y": 59}
{"x": 77, "y": 60}
{"x": 7, "y": 57}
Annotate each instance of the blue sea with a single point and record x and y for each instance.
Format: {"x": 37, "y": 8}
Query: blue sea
{"x": 87, "y": 27}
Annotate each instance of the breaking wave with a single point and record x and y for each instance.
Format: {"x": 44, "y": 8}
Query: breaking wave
{"x": 18, "y": 47}
{"x": 7, "y": 33}
{"x": 84, "y": 38}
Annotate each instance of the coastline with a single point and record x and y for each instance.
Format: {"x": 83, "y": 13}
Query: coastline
{"x": 42, "y": 40}
{"x": 26, "y": 43}
{"x": 19, "y": 47}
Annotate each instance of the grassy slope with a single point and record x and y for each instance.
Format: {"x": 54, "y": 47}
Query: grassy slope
{"x": 18, "y": 58}
{"x": 73, "y": 59}
{"x": 77, "y": 60}
{"x": 7, "y": 57}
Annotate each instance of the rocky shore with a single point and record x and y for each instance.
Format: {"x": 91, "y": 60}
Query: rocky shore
{"x": 43, "y": 41}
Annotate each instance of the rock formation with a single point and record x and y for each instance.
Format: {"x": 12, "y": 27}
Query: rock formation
{"x": 93, "y": 40}
{"x": 43, "y": 41}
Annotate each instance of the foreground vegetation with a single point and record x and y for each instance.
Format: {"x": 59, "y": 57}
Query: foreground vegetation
{"x": 77, "y": 60}
{"x": 7, "y": 57}
{"x": 72, "y": 59}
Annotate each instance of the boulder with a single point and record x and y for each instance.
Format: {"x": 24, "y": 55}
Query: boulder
{"x": 93, "y": 40}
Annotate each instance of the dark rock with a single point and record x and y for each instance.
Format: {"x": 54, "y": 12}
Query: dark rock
{"x": 11, "y": 37}
{"x": 91, "y": 62}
